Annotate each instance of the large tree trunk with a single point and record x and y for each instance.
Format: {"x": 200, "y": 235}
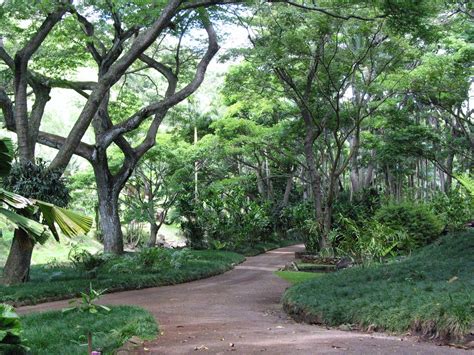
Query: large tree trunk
{"x": 17, "y": 267}
{"x": 314, "y": 177}
{"x": 108, "y": 210}
{"x": 110, "y": 221}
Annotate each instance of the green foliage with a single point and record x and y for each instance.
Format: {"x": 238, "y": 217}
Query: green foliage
{"x": 151, "y": 259}
{"x": 428, "y": 293}
{"x": 87, "y": 302}
{"x": 227, "y": 215}
{"x": 38, "y": 182}
{"x": 55, "y": 332}
{"x": 6, "y": 153}
{"x": 84, "y": 260}
{"x": 10, "y": 331}
{"x": 421, "y": 225}
{"x": 468, "y": 183}
{"x": 301, "y": 224}
{"x": 368, "y": 240}
{"x": 454, "y": 209}
{"x": 134, "y": 235}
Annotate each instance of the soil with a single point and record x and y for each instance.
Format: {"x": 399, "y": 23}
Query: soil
{"x": 240, "y": 312}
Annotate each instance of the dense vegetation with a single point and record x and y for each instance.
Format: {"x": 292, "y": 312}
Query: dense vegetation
{"x": 428, "y": 293}
{"x": 346, "y": 125}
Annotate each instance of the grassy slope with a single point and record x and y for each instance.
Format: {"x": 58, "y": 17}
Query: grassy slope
{"x": 64, "y": 282}
{"x": 57, "y": 333}
{"x": 430, "y": 292}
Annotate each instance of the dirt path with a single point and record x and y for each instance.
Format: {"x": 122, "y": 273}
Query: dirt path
{"x": 239, "y": 312}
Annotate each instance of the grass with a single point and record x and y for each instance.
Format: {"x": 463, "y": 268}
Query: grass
{"x": 54, "y": 282}
{"x": 429, "y": 293}
{"x": 296, "y": 277}
{"x": 55, "y": 332}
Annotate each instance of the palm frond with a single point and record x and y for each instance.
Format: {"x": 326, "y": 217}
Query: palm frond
{"x": 14, "y": 200}
{"x": 467, "y": 181}
{"x": 71, "y": 223}
{"x": 37, "y": 231}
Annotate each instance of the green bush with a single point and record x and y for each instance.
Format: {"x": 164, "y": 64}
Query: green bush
{"x": 301, "y": 225}
{"x": 84, "y": 260}
{"x": 10, "y": 331}
{"x": 369, "y": 240}
{"x": 225, "y": 214}
{"x": 454, "y": 209}
{"x": 134, "y": 235}
{"x": 56, "y": 332}
{"x": 149, "y": 260}
{"x": 421, "y": 225}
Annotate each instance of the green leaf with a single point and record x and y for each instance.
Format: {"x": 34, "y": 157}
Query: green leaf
{"x": 14, "y": 200}
{"x": 37, "y": 231}
{"x": 71, "y": 223}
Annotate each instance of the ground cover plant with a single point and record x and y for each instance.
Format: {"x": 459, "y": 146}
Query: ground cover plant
{"x": 430, "y": 292}
{"x": 152, "y": 267}
{"x": 56, "y": 332}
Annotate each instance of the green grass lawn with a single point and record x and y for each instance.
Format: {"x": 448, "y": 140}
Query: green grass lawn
{"x": 429, "y": 293}
{"x": 296, "y": 277}
{"x": 49, "y": 282}
{"x": 55, "y": 332}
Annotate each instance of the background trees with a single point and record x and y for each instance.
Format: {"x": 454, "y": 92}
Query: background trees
{"x": 330, "y": 106}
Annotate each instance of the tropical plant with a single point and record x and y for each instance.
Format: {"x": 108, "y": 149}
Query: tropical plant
{"x": 10, "y": 331}
{"x": 468, "y": 182}
{"x": 87, "y": 303}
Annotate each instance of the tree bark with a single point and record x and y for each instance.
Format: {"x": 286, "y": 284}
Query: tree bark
{"x": 17, "y": 267}
{"x": 153, "y": 233}
{"x": 108, "y": 209}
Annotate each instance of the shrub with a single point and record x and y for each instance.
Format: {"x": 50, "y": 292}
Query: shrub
{"x": 421, "y": 225}
{"x": 10, "y": 331}
{"x": 369, "y": 240}
{"x": 301, "y": 225}
{"x": 227, "y": 215}
{"x": 454, "y": 209}
{"x": 84, "y": 260}
{"x": 150, "y": 259}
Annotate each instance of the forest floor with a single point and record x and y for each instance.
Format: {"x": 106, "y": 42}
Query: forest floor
{"x": 240, "y": 311}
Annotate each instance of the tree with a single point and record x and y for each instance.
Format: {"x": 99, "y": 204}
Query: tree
{"x": 113, "y": 64}
{"x": 121, "y": 38}
{"x": 152, "y": 189}
{"x": 333, "y": 76}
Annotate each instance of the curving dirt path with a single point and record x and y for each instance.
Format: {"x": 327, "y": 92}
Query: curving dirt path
{"x": 240, "y": 312}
